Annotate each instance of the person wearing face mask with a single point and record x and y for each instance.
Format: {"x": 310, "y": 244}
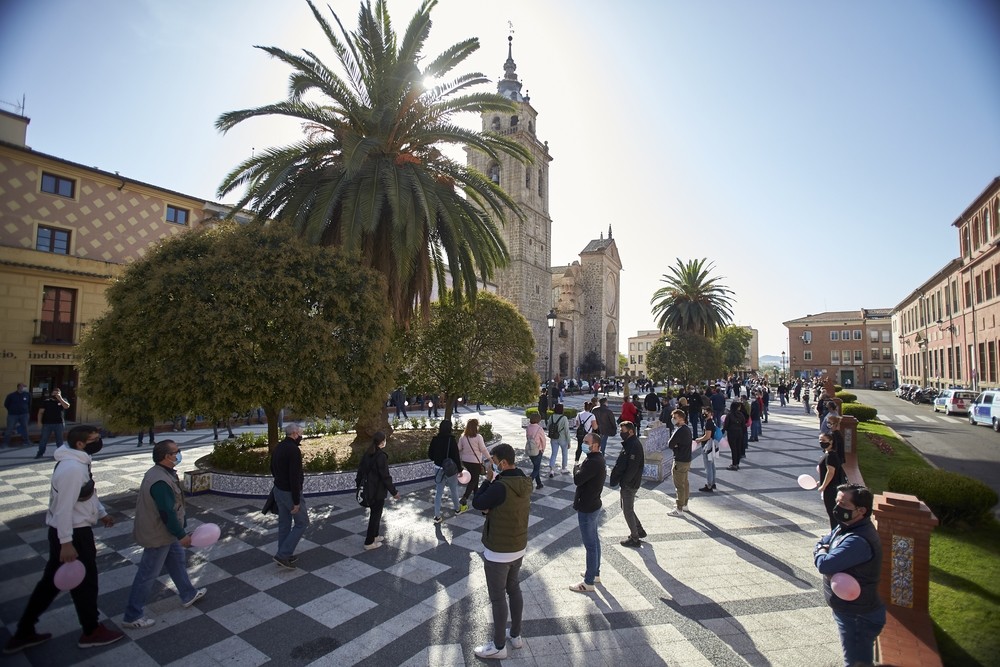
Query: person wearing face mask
{"x": 680, "y": 443}
{"x": 159, "y": 530}
{"x": 286, "y": 467}
{"x": 74, "y": 509}
{"x": 18, "y": 405}
{"x": 628, "y": 473}
{"x": 375, "y": 468}
{"x": 831, "y": 474}
{"x": 853, "y": 547}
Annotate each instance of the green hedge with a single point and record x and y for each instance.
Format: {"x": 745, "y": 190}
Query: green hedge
{"x": 847, "y": 397}
{"x": 953, "y": 498}
{"x": 860, "y": 411}
{"x": 837, "y": 388}
{"x": 569, "y": 412}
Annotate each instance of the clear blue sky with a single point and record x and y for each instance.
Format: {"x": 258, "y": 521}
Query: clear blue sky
{"x": 817, "y": 152}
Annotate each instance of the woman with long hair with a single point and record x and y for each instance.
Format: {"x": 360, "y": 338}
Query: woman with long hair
{"x": 375, "y": 467}
{"x": 472, "y": 450}
{"x": 736, "y": 432}
{"x": 443, "y": 446}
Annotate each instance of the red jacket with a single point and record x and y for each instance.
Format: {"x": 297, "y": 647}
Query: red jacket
{"x": 629, "y": 412}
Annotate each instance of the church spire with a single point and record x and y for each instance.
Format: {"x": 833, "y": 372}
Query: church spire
{"x": 609, "y": 231}
{"x": 509, "y": 86}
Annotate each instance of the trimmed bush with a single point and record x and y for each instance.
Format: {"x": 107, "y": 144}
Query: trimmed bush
{"x": 860, "y": 411}
{"x": 847, "y": 397}
{"x": 837, "y": 388}
{"x": 953, "y": 498}
{"x": 569, "y": 412}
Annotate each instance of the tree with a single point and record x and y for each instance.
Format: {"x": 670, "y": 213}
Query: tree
{"x": 592, "y": 364}
{"x": 622, "y": 364}
{"x": 690, "y": 358}
{"x": 221, "y": 320}
{"x": 483, "y": 349}
{"x": 691, "y": 300}
{"x": 369, "y": 174}
{"x": 732, "y": 342}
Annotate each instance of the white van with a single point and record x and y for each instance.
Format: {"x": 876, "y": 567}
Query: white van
{"x": 986, "y": 409}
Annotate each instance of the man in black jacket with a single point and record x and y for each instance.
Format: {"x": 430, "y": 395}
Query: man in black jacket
{"x": 628, "y": 473}
{"x": 589, "y": 479}
{"x": 680, "y": 443}
{"x": 286, "y": 467}
{"x": 606, "y": 422}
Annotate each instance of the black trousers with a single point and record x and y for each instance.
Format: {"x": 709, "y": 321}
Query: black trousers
{"x": 374, "y": 520}
{"x": 84, "y": 595}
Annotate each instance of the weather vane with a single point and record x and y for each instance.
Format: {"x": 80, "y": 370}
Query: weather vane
{"x": 511, "y": 26}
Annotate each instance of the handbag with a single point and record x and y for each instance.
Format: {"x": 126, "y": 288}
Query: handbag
{"x": 270, "y": 505}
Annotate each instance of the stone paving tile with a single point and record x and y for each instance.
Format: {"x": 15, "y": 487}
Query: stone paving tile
{"x": 731, "y": 584}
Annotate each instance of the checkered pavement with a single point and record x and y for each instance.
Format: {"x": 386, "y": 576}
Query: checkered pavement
{"x": 732, "y": 584}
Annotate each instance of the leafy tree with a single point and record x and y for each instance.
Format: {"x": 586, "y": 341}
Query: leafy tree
{"x": 733, "y": 342}
{"x": 592, "y": 364}
{"x": 622, "y": 364}
{"x": 369, "y": 174}
{"x": 692, "y": 300}
{"x": 226, "y": 319}
{"x": 483, "y": 349}
{"x": 690, "y": 357}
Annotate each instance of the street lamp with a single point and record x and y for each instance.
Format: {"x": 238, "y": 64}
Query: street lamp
{"x": 782, "y": 363}
{"x": 552, "y": 329}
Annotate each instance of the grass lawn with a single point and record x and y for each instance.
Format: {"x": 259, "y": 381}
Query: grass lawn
{"x": 965, "y": 562}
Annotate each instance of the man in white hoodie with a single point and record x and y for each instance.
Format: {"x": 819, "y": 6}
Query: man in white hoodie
{"x": 73, "y": 510}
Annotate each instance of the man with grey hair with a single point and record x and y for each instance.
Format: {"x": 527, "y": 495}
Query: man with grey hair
{"x": 159, "y": 529}
{"x": 286, "y": 467}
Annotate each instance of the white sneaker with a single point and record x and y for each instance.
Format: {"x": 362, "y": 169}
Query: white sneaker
{"x": 139, "y": 623}
{"x": 597, "y": 579}
{"x": 489, "y": 650}
{"x": 565, "y": 470}
{"x": 374, "y": 545}
{"x": 516, "y": 642}
{"x": 198, "y": 594}
{"x": 676, "y": 512}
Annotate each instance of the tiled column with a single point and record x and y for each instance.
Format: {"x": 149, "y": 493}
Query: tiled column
{"x": 904, "y": 525}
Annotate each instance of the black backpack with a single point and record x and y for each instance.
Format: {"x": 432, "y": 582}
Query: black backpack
{"x": 554, "y": 427}
{"x": 581, "y": 429}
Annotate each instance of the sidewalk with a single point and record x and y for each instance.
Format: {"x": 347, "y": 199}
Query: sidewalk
{"x": 732, "y": 584}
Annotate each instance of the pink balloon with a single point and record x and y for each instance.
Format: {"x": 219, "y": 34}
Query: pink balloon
{"x": 724, "y": 443}
{"x": 205, "y": 535}
{"x": 807, "y": 482}
{"x": 464, "y": 477}
{"x": 69, "y": 575}
{"x": 845, "y": 586}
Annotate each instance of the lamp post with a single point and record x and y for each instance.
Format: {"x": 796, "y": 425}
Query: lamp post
{"x": 782, "y": 364}
{"x": 552, "y": 329}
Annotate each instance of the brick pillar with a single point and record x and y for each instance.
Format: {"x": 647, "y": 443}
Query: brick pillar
{"x": 904, "y": 526}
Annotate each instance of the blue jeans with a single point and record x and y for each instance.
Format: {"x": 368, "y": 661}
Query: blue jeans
{"x": 43, "y": 439}
{"x": 536, "y": 467}
{"x": 558, "y": 446}
{"x": 153, "y": 559}
{"x": 755, "y": 429}
{"x": 439, "y": 481}
{"x": 588, "y": 531}
{"x": 16, "y": 423}
{"x": 858, "y": 633}
{"x": 708, "y": 457}
{"x": 289, "y": 535}
{"x": 604, "y": 442}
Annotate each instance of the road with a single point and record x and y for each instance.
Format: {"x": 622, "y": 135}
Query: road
{"x": 950, "y": 443}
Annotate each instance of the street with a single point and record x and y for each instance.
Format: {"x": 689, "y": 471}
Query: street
{"x": 950, "y": 443}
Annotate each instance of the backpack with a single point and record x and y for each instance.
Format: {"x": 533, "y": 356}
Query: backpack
{"x": 366, "y": 486}
{"x": 554, "y": 428}
{"x": 581, "y": 429}
{"x": 449, "y": 467}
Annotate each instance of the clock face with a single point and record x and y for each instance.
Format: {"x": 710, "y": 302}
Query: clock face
{"x": 611, "y": 294}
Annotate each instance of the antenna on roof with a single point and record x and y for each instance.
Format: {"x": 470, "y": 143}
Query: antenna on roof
{"x": 17, "y": 106}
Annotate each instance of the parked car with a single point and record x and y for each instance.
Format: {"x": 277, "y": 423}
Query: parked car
{"x": 880, "y": 385}
{"x": 954, "y": 401}
{"x": 986, "y": 410}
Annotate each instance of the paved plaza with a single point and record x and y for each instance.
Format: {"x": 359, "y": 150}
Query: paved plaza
{"x": 731, "y": 584}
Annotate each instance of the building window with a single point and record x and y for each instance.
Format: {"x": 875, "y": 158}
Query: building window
{"x": 631, "y": 346}
{"x": 887, "y": 336}
{"x": 58, "y": 307}
{"x": 845, "y": 335}
{"x": 495, "y": 125}
{"x": 178, "y": 216}
{"x": 541, "y": 184}
{"x": 834, "y": 335}
{"x": 640, "y": 358}
{"x": 807, "y": 337}
{"x": 807, "y": 355}
{"x": 835, "y": 357}
{"x": 858, "y": 356}
{"x": 857, "y": 334}
{"x": 513, "y": 122}
{"x": 979, "y": 289}
{"x": 872, "y": 336}
{"x": 988, "y": 279}
{"x": 50, "y": 239}
{"x": 58, "y": 185}
{"x": 887, "y": 353}
{"x": 527, "y": 178}
{"x": 874, "y": 352}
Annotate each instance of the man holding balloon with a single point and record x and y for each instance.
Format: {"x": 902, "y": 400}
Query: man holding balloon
{"x": 850, "y": 560}
{"x": 159, "y": 529}
{"x": 74, "y": 509}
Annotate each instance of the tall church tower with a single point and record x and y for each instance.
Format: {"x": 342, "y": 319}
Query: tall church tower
{"x": 526, "y": 281}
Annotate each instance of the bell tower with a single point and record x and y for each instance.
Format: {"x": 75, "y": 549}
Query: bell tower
{"x": 526, "y": 281}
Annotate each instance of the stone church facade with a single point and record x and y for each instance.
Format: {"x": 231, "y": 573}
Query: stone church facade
{"x": 584, "y": 294}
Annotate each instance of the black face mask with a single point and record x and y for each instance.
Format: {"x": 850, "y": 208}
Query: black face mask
{"x": 94, "y": 447}
{"x": 842, "y": 514}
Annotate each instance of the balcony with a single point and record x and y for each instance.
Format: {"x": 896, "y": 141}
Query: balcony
{"x": 57, "y": 333}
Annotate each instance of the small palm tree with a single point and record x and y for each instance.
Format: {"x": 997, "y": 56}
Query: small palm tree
{"x": 692, "y": 300}
{"x": 369, "y": 175}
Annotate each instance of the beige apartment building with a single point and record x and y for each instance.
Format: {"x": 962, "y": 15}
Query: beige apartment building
{"x": 945, "y": 331}
{"x": 853, "y": 347}
{"x": 65, "y": 231}
{"x": 638, "y": 347}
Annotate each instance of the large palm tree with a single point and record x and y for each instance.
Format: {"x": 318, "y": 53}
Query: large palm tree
{"x": 692, "y": 300}
{"x": 368, "y": 174}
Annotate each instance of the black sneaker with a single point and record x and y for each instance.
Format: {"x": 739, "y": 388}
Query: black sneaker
{"x": 16, "y": 644}
{"x": 284, "y": 562}
{"x": 629, "y": 542}
{"x": 642, "y": 533}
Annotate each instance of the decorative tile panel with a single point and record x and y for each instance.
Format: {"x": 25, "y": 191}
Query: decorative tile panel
{"x": 902, "y": 571}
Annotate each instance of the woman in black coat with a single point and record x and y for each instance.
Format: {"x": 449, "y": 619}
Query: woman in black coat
{"x": 374, "y": 472}
{"x": 736, "y": 432}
